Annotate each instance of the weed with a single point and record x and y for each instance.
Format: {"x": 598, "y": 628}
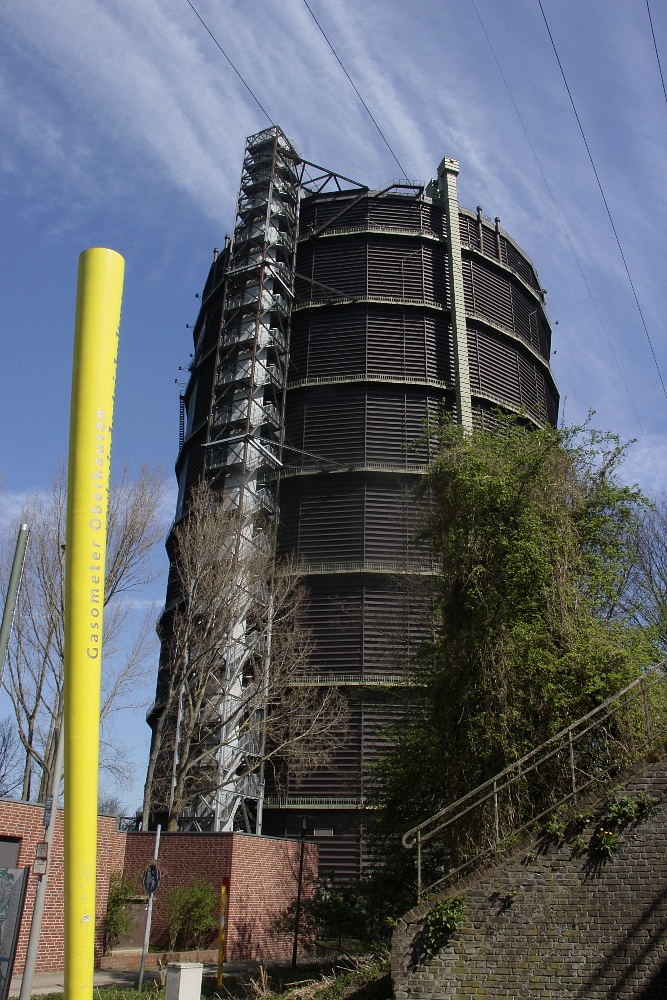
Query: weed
{"x": 621, "y": 809}
{"x": 647, "y": 805}
{"x": 554, "y": 828}
{"x": 582, "y": 818}
{"x": 445, "y": 917}
{"x": 604, "y": 843}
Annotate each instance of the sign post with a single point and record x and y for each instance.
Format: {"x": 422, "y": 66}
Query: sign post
{"x": 150, "y": 881}
{"x": 98, "y": 301}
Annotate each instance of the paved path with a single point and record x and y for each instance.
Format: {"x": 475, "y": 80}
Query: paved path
{"x": 53, "y": 982}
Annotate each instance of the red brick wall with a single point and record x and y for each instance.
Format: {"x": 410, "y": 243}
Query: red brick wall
{"x": 263, "y": 874}
{"x": 264, "y": 879}
{"x": 24, "y": 820}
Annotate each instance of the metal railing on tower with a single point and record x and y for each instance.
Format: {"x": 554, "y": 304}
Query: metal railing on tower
{"x": 247, "y": 432}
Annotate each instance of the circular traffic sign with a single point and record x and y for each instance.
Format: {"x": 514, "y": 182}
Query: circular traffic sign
{"x": 151, "y": 879}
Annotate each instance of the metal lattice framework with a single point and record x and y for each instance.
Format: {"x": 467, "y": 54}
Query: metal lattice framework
{"x": 246, "y": 436}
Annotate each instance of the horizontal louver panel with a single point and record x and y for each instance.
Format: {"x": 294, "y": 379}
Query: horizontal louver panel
{"x": 356, "y": 340}
{"x": 315, "y": 212}
{"x": 332, "y": 519}
{"x": 489, "y": 241}
{"x": 503, "y": 370}
{"x": 355, "y": 423}
{"x": 469, "y": 234}
{"x": 339, "y": 264}
{"x": 497, "y": 298}
{"x": 512, "y": 258}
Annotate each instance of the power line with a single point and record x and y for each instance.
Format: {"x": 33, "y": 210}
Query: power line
{"x": 655, "y": 46}
{"x": 384, "y": 139}
{"x": 254, "y": 97}
{"x": 567, "y": 236}
{"x": 606, "y": 205}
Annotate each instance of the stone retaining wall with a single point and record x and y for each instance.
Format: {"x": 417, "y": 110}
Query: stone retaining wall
{"x": 553, "y": 920}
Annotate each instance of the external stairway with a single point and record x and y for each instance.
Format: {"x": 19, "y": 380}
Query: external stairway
{"x": 559, "y": 864}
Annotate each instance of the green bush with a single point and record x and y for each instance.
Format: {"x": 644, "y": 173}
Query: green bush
{"x": 621, "y": 809}
{"x": 118, "y": 923}
{"x": 604, "y": 843}
{"x": 554, "y": 828}
{"x": 445, "y": 917}
{"x": 647, "y": 805}
{"x": 191, "y": 914}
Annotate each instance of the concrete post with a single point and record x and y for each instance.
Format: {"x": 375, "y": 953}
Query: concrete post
{"x": 447, "y": 174}
{"x": 183, "y": 981}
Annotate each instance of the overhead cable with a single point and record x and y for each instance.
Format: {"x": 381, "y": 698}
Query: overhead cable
{"x": 567, "y": 237}
{"x": 604, "y": 199}
{"x": 338, "y": 59}
{"x": 254, "y": 97}
{"x": 655, "y": 46}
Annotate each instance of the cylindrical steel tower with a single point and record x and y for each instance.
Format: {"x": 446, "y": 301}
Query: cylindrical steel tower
{"x": 402, "y": 304}
{"x": 393, "y": 321}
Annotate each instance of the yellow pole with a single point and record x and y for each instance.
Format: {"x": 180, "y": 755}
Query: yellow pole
{"x": 98, "y": 300}
{"x": 223, "y": 932}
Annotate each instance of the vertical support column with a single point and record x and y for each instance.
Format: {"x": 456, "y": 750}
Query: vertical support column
{"x": 447, "y": 174}
{"x": 98, "y": 300}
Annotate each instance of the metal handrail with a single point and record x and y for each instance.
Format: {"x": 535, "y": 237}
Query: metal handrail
{"x": 568, "y": 741}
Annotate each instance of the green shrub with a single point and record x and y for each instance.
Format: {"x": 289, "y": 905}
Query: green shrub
{"x": 445, "y": 917}
{"x": 582, "y": 818}
{"x": 191, "y": 914}
{"x": 647, "y": 805}
{"x": 554, "y": 828}
{"x": 118, "y": 923}
{"x": 621, "y": 809}
{"x": 604, "y": 843}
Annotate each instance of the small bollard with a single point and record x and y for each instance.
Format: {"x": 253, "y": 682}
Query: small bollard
{"x": 184, "y": 981}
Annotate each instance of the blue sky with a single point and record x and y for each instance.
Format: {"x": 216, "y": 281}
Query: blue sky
{"x": 122, "y": 125}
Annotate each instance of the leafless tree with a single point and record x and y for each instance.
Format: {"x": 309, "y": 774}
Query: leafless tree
{"x": 34, "y": 666}
{"x": 10, "y": 758}
{"x": 231, "y": 695}
{"x": 646, "y": 593}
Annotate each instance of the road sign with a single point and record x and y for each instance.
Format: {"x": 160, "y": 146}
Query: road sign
{"x": 48, "y": 806}
{"x": 151, "y": 879}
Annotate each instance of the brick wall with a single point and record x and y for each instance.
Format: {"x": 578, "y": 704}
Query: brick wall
{"x": 551, "y": 920}
{"x": 264, "y": 879}
{"x": 24, "y": 820}
{"x": 262, "y": 873}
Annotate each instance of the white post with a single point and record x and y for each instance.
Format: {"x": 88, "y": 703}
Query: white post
{"x": 447, "y": 174}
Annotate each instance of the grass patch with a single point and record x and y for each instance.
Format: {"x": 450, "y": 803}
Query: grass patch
{"x": 355, "y": 978}
{"x": 113, "y": 993}
{"x": 361, "y": 978}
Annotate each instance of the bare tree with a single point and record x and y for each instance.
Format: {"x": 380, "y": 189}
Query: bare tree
{"x": 233, "y": 655}
{"x": 646, "y": 592}
{"x": 10, "y": 758}
{"x": 34, "y": 666}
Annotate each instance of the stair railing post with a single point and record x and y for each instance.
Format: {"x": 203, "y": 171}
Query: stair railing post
{"x": 647, "y": 711}
{"x": 495, "y": 809}
{"x": 419, "y": 866}
{"x": 573, "y": 775}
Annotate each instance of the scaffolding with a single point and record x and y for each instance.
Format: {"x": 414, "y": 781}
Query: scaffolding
{"x": 246, "y": 438}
